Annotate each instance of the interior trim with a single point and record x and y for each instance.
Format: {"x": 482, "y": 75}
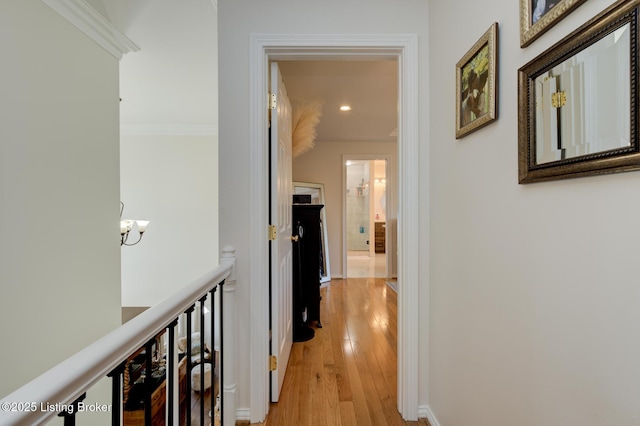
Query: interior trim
{"x": 403, "y": 47}
{"x": 84, "y": 17}
{"x": 424, "y": 412}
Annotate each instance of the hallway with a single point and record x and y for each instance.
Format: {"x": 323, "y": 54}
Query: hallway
{"x": 361, "y": 265}
{"x": 346, "y": 374}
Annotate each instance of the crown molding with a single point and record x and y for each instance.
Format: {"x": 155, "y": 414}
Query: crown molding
{"x": 84, "y": 17}
{"x": 168, "y": 130}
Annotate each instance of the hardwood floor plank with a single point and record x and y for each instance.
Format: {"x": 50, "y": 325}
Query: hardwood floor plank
{"x": 347, "y": 414}
{"x": 318, "y": 379}
{"x": 296, "y": 357}
{"x": 303, "y": 390}
{"x": 288, "y": 405}
{"x": 363, "y": 343}
{"x": 331, "y": 401}
{"x": 359, "y": 399}
{"x": 331, "y": 395}
{"x": 337, "y": 334}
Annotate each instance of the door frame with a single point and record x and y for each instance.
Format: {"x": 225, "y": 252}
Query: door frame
{"x": 390, "y": 194}
{"x": 404, "y": 49}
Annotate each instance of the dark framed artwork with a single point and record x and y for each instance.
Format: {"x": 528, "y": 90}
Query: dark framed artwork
{"x": 537, "y": 16}
{"x": 476, "y": 84}
{"x": 577, "y": 101}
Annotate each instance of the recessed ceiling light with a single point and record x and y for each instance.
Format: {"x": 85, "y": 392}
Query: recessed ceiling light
{"x": 345, "y": 108}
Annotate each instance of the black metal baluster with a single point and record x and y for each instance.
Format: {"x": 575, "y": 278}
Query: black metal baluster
{"x": 221, "y": 375}
{"x": 148, "y": 384}
{"x": 188, "y": 313}
{"x": 116, "y": 393}
{"x": 169, "y": 372}
{"x": 212, "y": 402}
{"x": 70, "y": 414}
{"x": 202, "y": 350}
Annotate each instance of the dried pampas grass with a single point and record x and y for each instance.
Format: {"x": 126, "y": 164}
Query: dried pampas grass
{"x": 305, "y": 119}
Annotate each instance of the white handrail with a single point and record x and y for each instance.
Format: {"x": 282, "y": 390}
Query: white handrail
{"x": 65, "y": 382}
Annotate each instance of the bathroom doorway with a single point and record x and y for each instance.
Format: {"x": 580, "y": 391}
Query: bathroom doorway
{"x": 369, "y": 225}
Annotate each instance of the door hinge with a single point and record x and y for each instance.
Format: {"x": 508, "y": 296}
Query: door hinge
{"x": 559, "y": 99}
{"x": 273, "y": 363}
{"x": 273, "y": 232}
{"x": 273, "y": 101}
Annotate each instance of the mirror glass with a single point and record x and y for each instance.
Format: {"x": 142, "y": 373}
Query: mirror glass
{"x": 316, "y": 190}
{"x": 583, "y": 104}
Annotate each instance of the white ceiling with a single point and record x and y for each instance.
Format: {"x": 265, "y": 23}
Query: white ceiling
{"x": 170, "y": 84}
{"x": 369, "y": 87}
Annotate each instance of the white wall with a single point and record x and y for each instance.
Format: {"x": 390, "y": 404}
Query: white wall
{"x": 534, "y": 288}
{"x": 173, "y": 182}
{"x": 324, "y": 164}
{"x": 59, "y": 191}
{"x": 236, "y": 21}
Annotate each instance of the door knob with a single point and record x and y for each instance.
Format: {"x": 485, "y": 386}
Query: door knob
{"x": 295, "y": 238}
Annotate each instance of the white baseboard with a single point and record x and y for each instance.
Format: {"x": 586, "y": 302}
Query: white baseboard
{"x": 424, "y": 412}
{"x": 243, "y": 414}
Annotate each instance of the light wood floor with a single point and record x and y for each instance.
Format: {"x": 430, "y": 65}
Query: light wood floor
{"x": 197, "y": 399}
{"x": 346, "y": 374}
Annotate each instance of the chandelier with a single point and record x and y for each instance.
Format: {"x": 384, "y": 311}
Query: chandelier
{"x": 127, "y": 225}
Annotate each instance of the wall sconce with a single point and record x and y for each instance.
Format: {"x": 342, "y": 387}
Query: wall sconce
{"x": 126, "y": 225}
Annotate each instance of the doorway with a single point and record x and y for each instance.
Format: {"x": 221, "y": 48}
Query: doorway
{"x": 403, "y": 48}
{"x": 369, "y": 217}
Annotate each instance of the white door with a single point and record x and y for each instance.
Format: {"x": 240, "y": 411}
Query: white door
{"x": 280, "y": 212}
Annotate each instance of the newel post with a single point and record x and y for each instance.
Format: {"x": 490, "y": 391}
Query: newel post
{"x": 228, "y": 334}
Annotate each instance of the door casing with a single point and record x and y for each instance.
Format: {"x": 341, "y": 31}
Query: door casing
{"x": 403, "y": 48}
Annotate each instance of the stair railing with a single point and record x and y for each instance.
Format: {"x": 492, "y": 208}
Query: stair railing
{"x": 61, "y": 391}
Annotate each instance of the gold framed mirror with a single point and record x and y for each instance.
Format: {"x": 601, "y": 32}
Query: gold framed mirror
{"x": 577, "y": 107}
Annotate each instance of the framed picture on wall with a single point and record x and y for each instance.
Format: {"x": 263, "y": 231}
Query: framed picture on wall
{"x": 476, "y": 81}
{"x": 577, "y": 101}
{"x": 537, "y": 16}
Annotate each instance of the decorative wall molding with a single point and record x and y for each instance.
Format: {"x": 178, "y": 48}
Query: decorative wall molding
{"x": 169, "y": 130}
{"x": 84, "y": 17}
